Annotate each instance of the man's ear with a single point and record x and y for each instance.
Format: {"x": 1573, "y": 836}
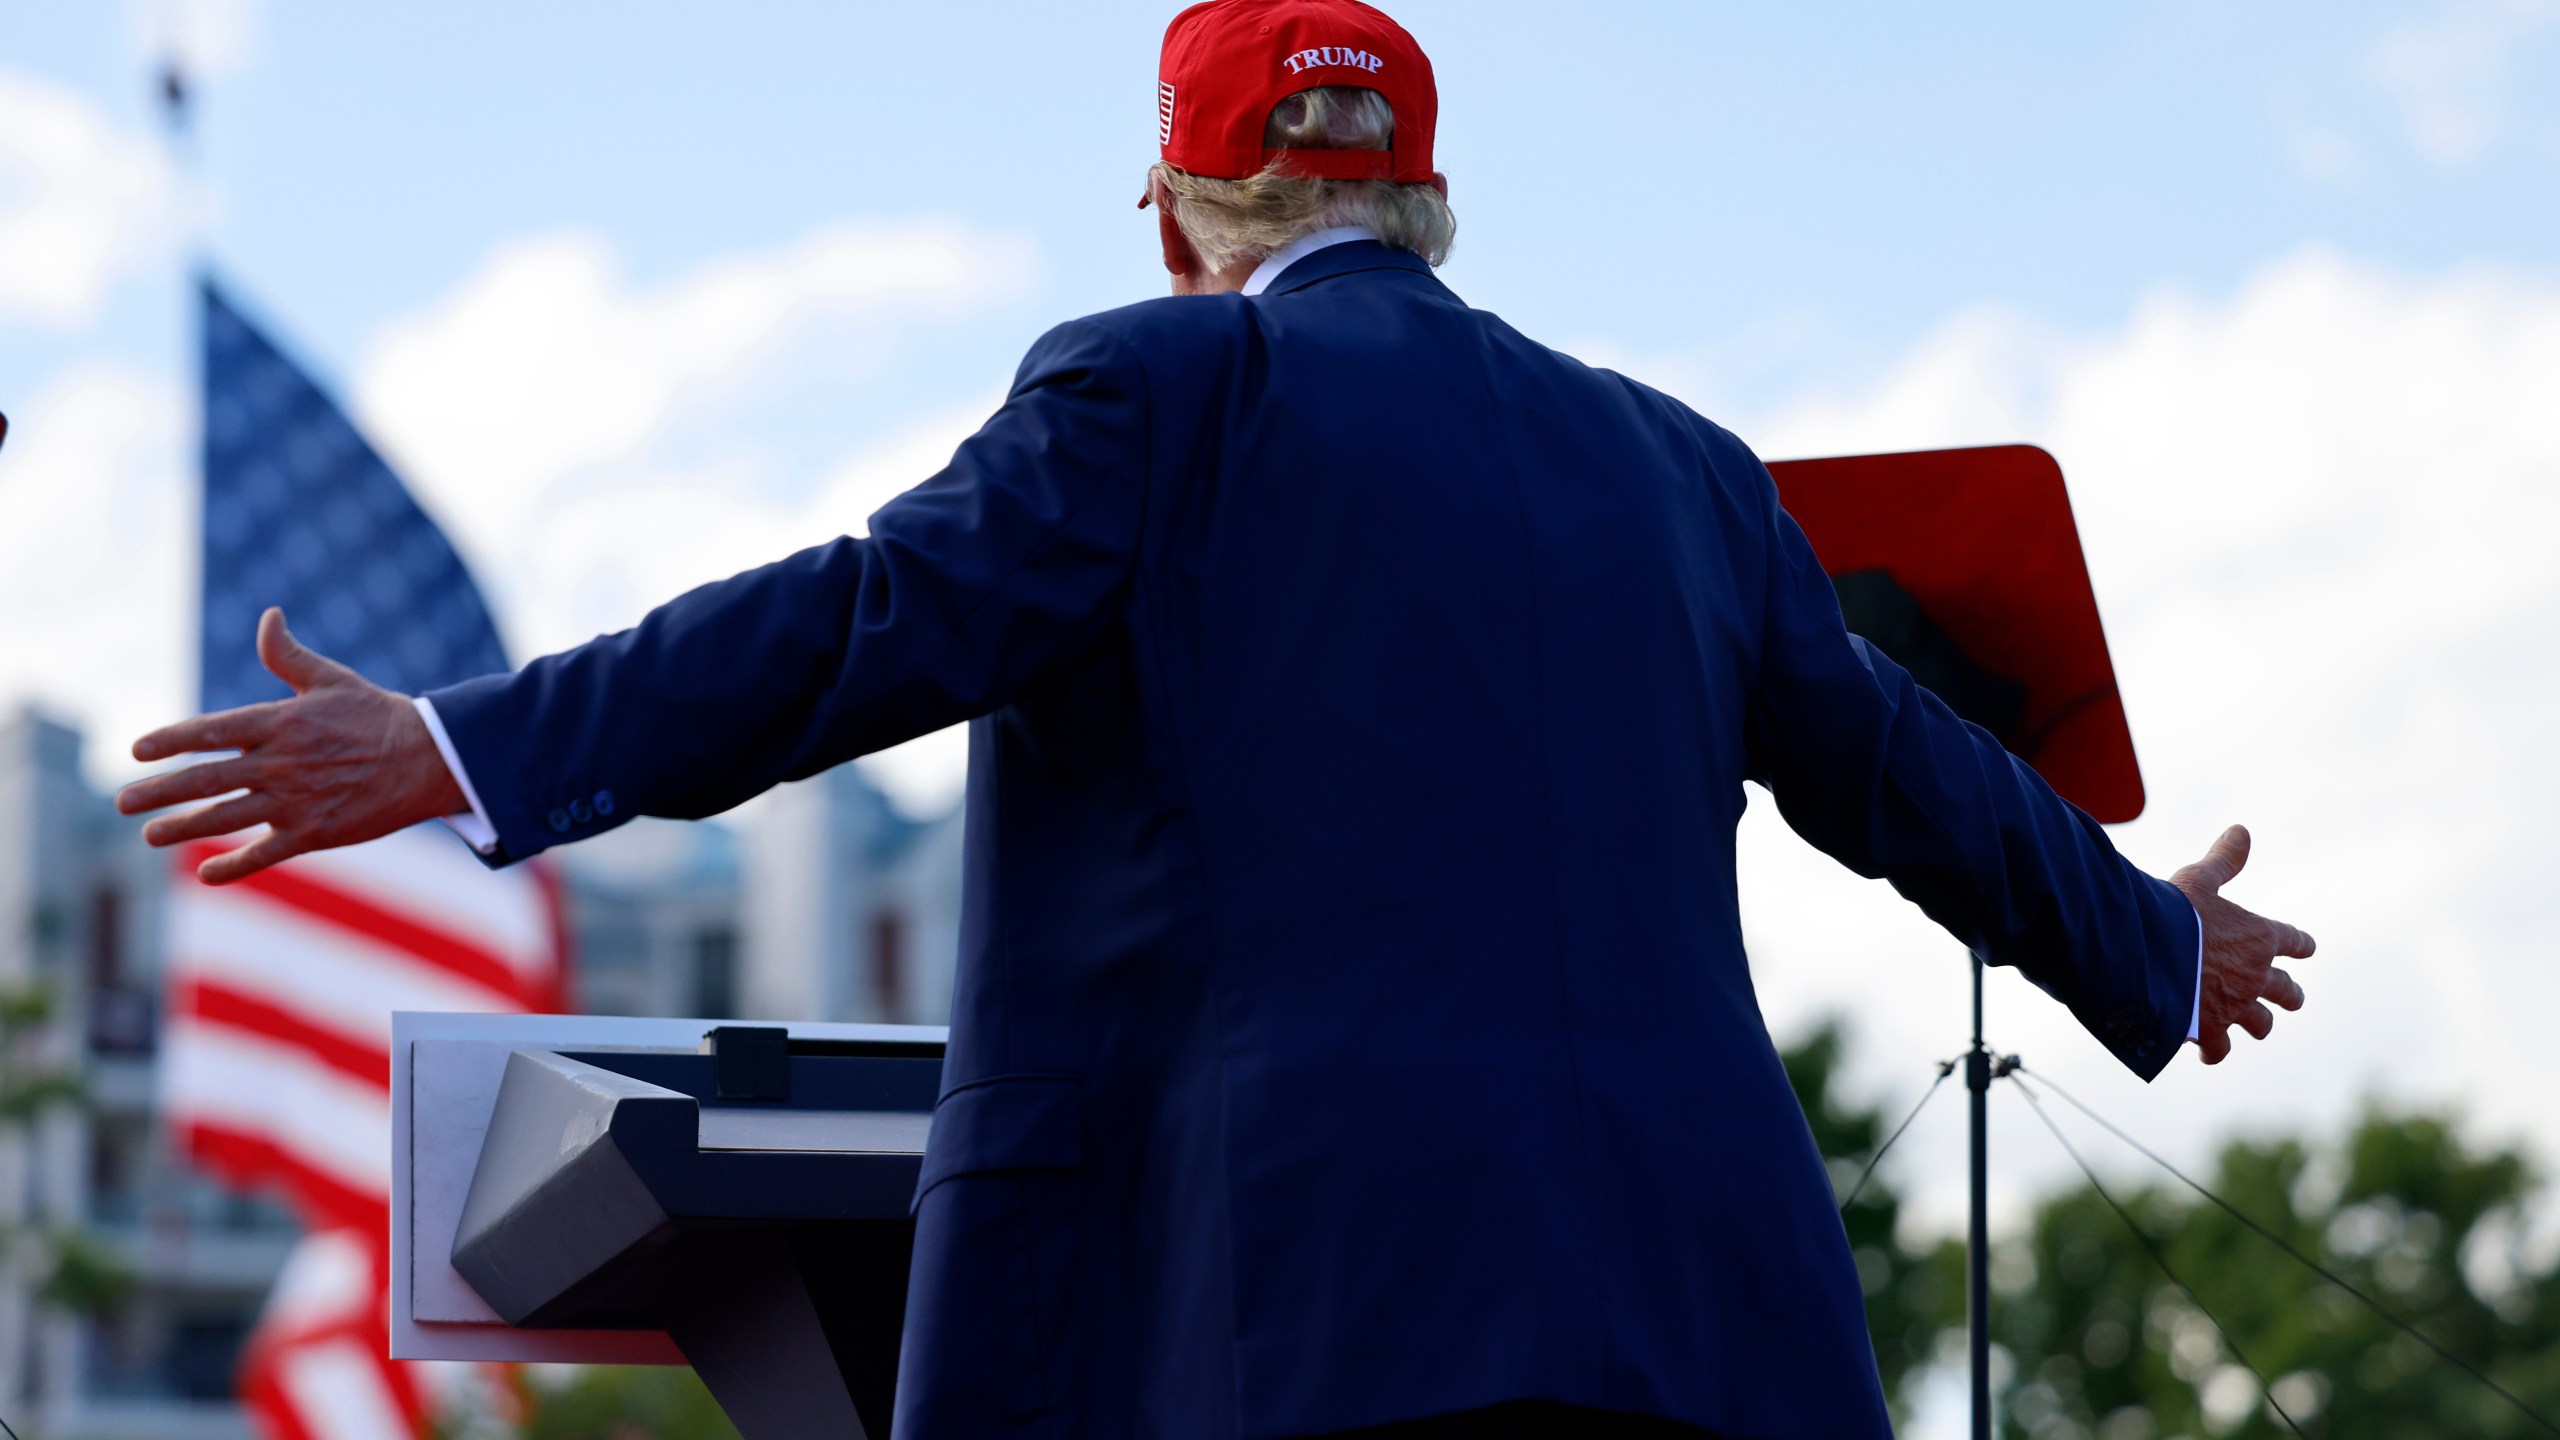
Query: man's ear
{"x": 1180, "y": 260}
{"x": 1440, "y": 183}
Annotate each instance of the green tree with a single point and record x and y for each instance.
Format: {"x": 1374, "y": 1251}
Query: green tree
{"x": 625, "y": 1402}
{"x": 2104, "y": 1346}
{"x": 74, "y": 1271}
{"x": 1908, "y": 1294}
{"x": 2101, "y": 1345}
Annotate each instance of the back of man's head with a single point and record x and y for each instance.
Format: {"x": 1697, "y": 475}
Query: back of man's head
{"x": 1280, "y": 118}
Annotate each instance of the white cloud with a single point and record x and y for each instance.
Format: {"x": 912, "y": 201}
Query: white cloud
{"x": 534, "y": 412}
{"x": 629, "y": 549}
{"x": 96, "y": 554}
{"x": 538, "y": 406}
{"x": 2449, "y": 72}
{"x": 545, "y": 364}
{"x": 2320, "y": 519}
{"x": 583, "y": 438}
{"x": 79, "y": 200}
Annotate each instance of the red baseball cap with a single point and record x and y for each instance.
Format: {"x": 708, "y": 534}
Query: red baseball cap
{"x": 1227, "y": 62}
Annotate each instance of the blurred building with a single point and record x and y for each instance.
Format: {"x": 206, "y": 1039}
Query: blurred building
{"x": 817, "y": 901}
{"x": 820, "y": 900}
{"x": 79, "y": 901}
{"x": 851, "y": 910}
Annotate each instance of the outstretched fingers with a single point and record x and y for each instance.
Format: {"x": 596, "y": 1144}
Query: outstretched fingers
{"x": 229, "y": 817}
{"x": 289, "y": 659}
{"x": 272, "y": 848}
{"x": 2215, "y": 1042}
{"x": 243, "y": 729}
{"x": 2224, "y": 860}
{"x": 2282, "y": 989}
{"x": 196, "y": 782}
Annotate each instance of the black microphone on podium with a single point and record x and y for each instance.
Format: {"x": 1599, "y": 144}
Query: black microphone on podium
{"x": 4, "y": 430}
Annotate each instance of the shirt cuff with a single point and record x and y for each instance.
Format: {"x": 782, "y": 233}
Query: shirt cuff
{"x": 2195, "y": 1017}
{"x": 473, "y": 825}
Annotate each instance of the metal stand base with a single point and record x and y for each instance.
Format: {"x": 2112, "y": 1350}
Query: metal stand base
{"x": 767, "y": 1326}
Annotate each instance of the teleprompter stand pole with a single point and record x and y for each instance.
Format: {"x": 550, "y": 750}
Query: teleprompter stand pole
{"x": 1981, "y": 1067}
{"x": 1977, "y": 1250}
{"x": 1944, "y": 559}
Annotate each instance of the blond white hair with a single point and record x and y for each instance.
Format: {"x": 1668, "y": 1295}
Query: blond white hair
{"x": 1233, "y": 221}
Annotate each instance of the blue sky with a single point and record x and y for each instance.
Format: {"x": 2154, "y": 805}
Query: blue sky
{"x": 638, "y": 294}
{"x": 1811, "y": 186}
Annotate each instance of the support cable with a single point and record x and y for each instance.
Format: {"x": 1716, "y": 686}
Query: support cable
{"x": 2272, "y": 1238}
{"x": 1945, "y": 1069}
{"x": 2153, "y": 1249}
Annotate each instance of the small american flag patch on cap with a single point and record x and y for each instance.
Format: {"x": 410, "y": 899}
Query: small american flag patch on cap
{"x": 1164, "y": 113}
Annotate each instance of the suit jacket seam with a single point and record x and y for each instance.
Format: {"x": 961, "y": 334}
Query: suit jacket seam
{"x": 1178, "y": 775}
{"x": 1592, "y": 1267}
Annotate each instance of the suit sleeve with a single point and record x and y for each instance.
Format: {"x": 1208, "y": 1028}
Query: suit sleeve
{"x": 1880, "y": 774}
{"x": 968, "y": 587}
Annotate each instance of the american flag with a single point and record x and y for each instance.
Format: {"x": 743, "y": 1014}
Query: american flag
{"x": 276, "y": 1071}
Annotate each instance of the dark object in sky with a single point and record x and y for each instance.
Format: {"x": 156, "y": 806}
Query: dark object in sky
{"x": 1878, "y": 608}
{"x": 1981, "y": 550}
{"x": 4, "y": 430}
{"x": 174, "y": 97}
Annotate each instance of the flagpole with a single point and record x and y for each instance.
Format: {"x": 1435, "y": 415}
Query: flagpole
{"x": 289, "y": 1130}
{"x": 174, "y": 94}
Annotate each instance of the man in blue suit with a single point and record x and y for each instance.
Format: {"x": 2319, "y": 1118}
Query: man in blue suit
{"x": 1352, "y": 1028}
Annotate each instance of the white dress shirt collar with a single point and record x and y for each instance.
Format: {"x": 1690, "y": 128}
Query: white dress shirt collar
{"x": 1305, "y": 245}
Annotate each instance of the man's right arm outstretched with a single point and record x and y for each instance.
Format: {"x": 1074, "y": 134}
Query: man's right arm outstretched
{"x": 969, "y": 586}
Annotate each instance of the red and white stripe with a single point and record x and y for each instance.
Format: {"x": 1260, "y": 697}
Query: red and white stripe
{"x": 276, "y": 1072}
{"x": 318, "y": 1366}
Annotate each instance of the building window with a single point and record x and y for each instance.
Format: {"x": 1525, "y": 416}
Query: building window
{"x": 715, "y": 972}
{"x": 203, "y": 1355}
{"x": 119, "y": 1150}
{"x": 106, "y": 939}
{"x": 888, "y": 964}
{"x": 613, "y": 970}
{"x": 122, "y": 1017}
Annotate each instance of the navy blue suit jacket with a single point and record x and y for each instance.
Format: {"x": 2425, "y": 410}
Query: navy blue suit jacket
{"x": 1352, "y": 1020}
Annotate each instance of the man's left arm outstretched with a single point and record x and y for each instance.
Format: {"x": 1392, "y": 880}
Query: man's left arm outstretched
{"x": 1880, "y": 774}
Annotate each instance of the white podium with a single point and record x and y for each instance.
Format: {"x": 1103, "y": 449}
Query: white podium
{"x": 732, "y": 1195}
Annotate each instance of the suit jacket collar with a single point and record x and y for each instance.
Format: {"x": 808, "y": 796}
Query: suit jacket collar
{"x": 1348, "y": 258}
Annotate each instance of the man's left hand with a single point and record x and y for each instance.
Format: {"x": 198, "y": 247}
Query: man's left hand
{"x": 2240, "y": 950}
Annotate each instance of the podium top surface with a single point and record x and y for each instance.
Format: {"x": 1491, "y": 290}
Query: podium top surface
{"x": 1983, "y": 542}
{"x": 833, "y": 1132}
{"x": 447, "y": 1071}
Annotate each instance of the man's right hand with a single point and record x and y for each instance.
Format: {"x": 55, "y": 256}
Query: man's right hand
{"x": 2240, "y": 950}
{"x": 342, "y": 762}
